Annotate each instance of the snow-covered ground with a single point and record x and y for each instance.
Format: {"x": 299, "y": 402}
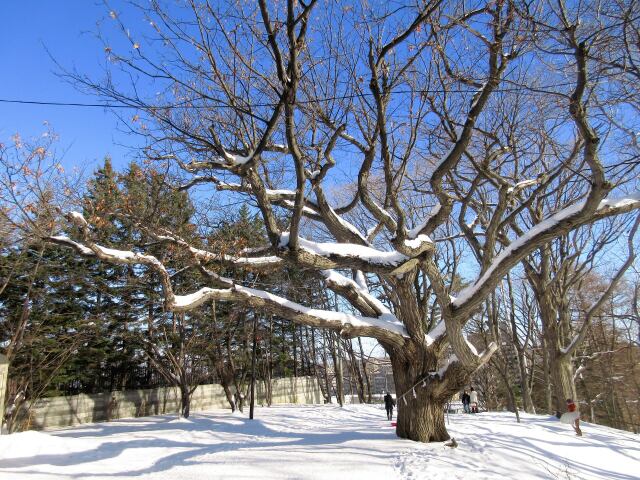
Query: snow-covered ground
{"x": 318, "y": 442}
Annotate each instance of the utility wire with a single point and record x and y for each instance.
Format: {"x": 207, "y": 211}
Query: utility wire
{"x": 301, "y": 102}
{"x": 64, "y": 104}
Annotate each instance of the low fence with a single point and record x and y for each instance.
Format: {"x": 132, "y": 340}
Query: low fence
{"x": 77, "y": 409}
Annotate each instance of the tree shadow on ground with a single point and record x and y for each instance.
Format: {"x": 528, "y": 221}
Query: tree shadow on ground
{"x": 250, "y": 434}
{"x": 209, "y": 439}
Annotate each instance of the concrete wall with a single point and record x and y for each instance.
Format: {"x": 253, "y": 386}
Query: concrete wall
{"x": 4, "y": 374}
{"x": 76, "y": 409}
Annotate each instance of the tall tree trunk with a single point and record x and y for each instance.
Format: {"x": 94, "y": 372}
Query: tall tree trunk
{"x": 511, "y": 398}
{"x": 253, "y": 366}
{"x": 421, "y": 418}
{"x": 325, "y": 367}
{"x": 589, "y": 400}
{"x": 226, "y": 386}
{"x": 337, "y": 366}
{"x": 421, "y": 393}
{"x": 524, "y": 383}
{"x": 364, "y": 371}
{"x": 185, "y": 400}
{"x": 356, "y": 374}
{"x": 547, "y": 377}
{"x": 560, "y": 366}
{"x": 295, "y": 351}
{"x": 283, "y": 351}
{"x": 562, "y": 377}
{"x": 269, "y": 366}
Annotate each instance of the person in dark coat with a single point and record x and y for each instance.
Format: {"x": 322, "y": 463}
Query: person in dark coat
{"x": 466, "y": 400}
{"x": 389, "y": 403}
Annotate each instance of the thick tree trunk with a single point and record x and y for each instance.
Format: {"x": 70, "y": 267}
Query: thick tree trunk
{"x": 229, "y": 394}
{"x": 226, "y": 382}
{"x": 562, "y": 376}
{"x": 420, "y": 418}
{"x": 185, "y": 401}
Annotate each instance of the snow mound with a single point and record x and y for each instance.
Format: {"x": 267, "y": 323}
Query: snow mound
{"x": 319, "y": 442}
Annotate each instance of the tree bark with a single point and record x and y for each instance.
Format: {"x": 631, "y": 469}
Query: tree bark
{"x": 524, "y": 384}
{"x": 420, "y": 418}
{"x": 253, "y": 366}
{"x": 547, "y": 377}
{"x": 339, "y": 372}
{"x": 185, "y": 400}
{"x": 562, "y": 377}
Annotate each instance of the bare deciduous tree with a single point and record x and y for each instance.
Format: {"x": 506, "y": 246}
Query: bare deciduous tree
{"x": 451, "y": 123}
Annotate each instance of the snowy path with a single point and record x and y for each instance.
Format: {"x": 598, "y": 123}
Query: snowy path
{"x": 318, "y": 442}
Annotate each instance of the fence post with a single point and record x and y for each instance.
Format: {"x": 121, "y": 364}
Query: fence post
{"x": 4, "y": 375}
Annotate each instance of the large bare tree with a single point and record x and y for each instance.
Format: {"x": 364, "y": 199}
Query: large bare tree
{"x": 444, "y": 123}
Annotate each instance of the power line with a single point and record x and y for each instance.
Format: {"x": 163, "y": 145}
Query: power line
{"x": 541, "y": 89}
{"x": 64, "y": 104}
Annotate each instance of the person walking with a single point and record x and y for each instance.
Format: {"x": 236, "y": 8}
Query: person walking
{"x": 466, "y": 400}
{"x": 473, "y": 400}
{"x": 572, "y": 416}
{"x": 389, "y": 403}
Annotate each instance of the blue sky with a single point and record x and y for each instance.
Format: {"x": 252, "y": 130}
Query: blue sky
{"x": 66, "y": 28}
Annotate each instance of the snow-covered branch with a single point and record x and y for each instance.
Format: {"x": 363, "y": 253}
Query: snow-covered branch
{"x": 561, "y": 222}
{"x": 349, "y": 325}
{"x": 597, "y": 305}
{"x": 249, "y": 262}
{"x": 358, "y": 296}
{"x": 385, "y": 328}
{"x": 330, "y": 255}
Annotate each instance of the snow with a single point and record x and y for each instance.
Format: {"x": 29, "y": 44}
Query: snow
{"x": 308, "y": 210}
{"x": 386, "y": 321}
{"x": 416, "y": 242}
{"x": 347, "y": 225}
{"x": 361, "y": 280}
{"x": 471, "y": 346}
{"x": 521, "y": 185}
{"x": 339, "y": 279}
{"x": 237, "y": 159}
{"x": 347, "y": 250}
{"x": 437, "y": 331}
{"x": 78, "y": 218}
{"x": 124, "y": 255}
{"x": 192, "y": 299}
{"x": 415, "y": 231}
{"x": 257, "y": 261}
{"x": 65, "y": 239}
{"x": 318, "y": 442}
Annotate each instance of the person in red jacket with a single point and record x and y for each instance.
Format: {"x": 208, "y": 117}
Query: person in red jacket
{"x": 572, "y": 416}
